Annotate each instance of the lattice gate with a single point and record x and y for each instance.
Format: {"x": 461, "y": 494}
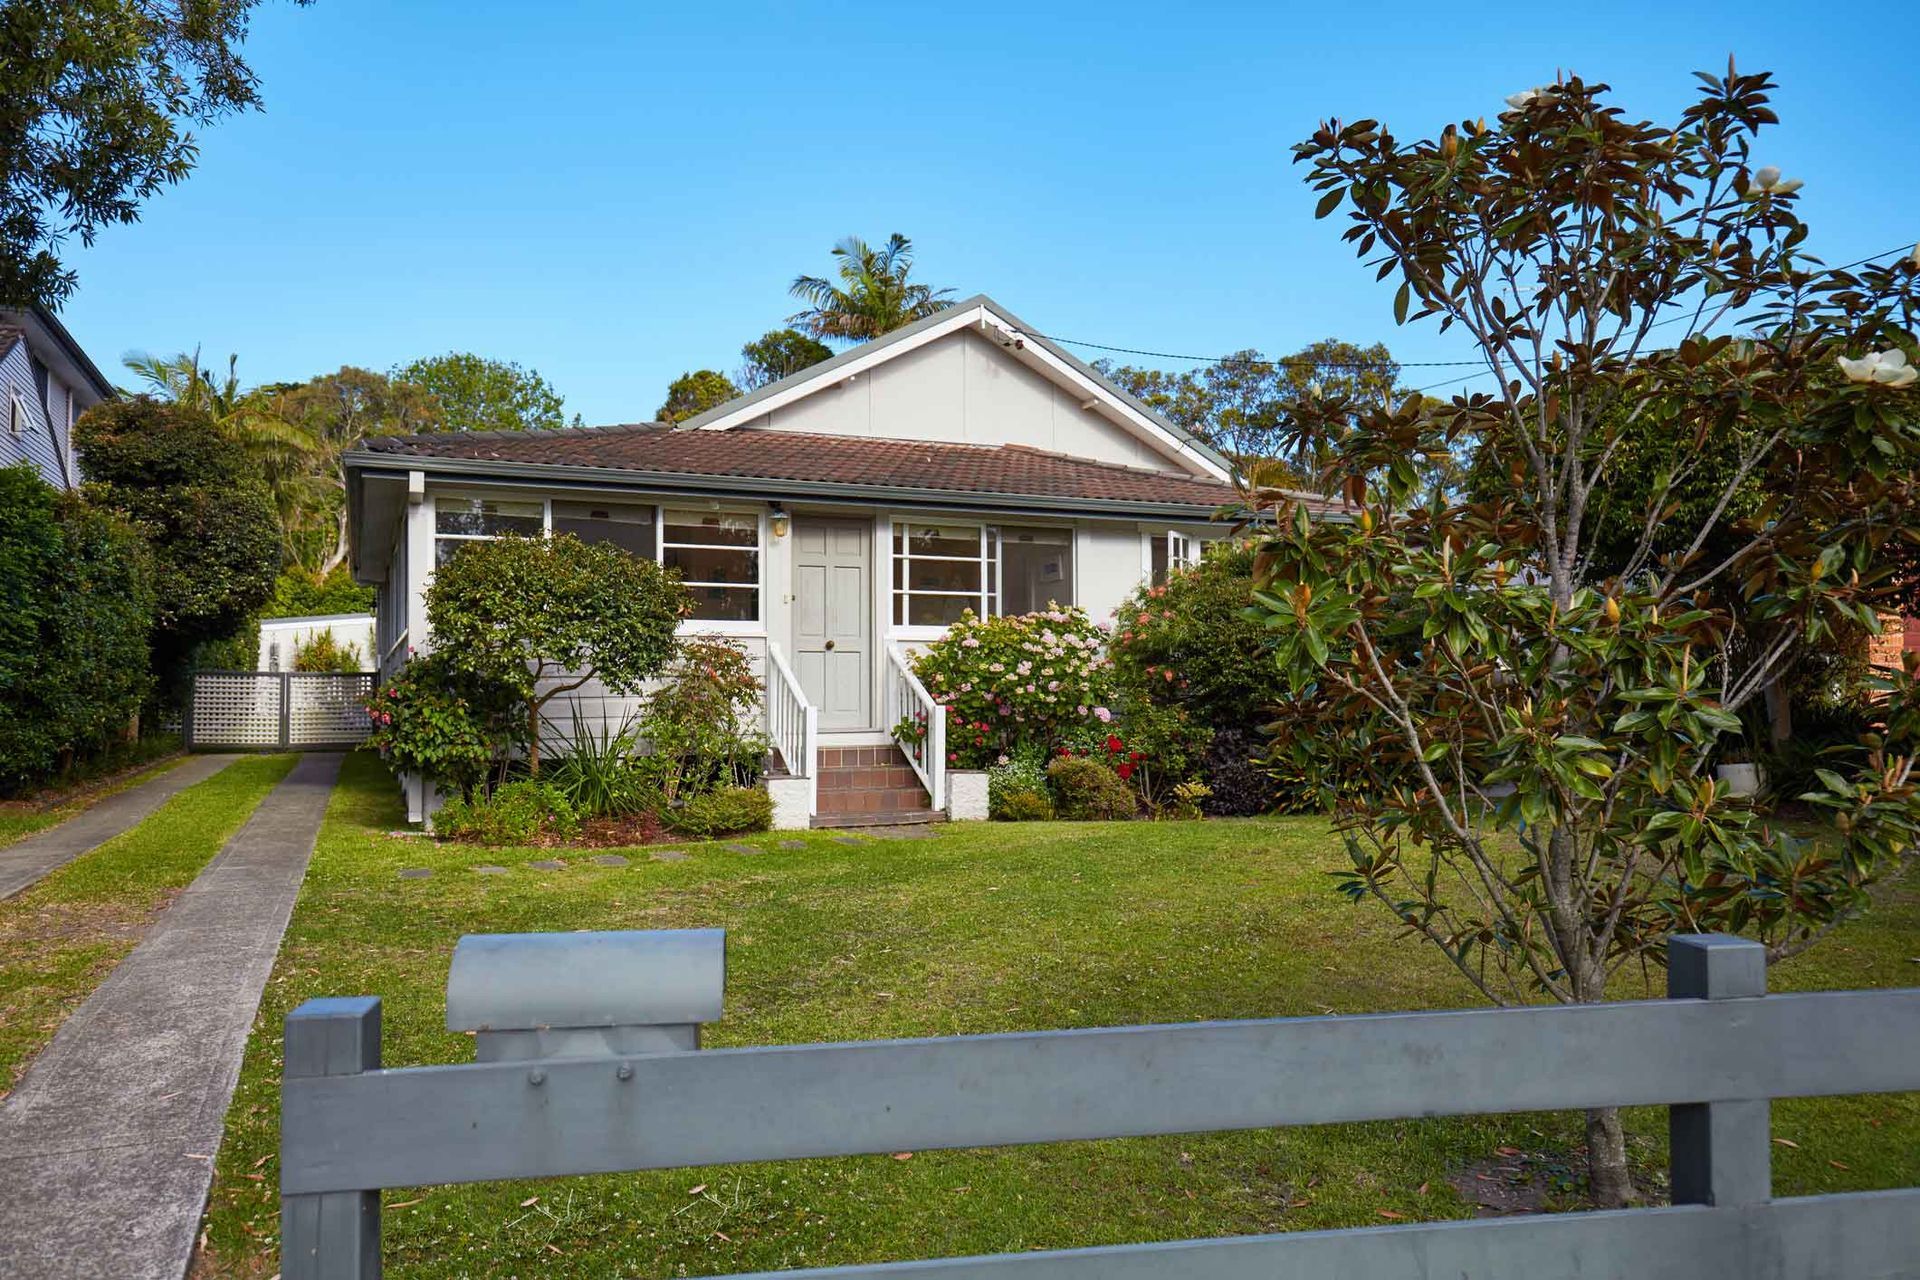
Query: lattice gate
{"x": 278, "y": 710}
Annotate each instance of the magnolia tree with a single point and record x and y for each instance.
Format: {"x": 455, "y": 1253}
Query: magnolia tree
{"x": 545, "y": 615}
{"x": 1515, "y": 734}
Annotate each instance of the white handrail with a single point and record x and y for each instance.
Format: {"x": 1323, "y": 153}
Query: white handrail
{"x": 908, "y": 699}
{"x": 793, "y": 724}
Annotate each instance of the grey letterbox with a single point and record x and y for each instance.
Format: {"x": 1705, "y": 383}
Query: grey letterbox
{"x": 571, "y": 995}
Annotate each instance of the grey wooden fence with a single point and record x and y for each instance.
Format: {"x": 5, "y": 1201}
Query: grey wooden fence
{"x": 278, "y": 710}
{"x": 1713, "y": 1051}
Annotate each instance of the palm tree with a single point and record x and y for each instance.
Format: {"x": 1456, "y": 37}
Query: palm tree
{"x": 872, "y": 297}
{"x": 251, "y": 419}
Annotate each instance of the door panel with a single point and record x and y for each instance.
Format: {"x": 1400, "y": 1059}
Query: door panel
{"x": 833, "y": 619}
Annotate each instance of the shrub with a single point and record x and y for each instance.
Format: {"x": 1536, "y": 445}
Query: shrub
{"x": 699, "y": 724}
{"x": 204, "y": 510}
{"x": 1188, "y": 642}
{"x": 1088, "y": 790}
{"x": 1153, "y": 748}
{"x": 434, "y": 719}
{"x": 603, "y": 774}
{"x": 1236, "y": 772}
{"x": 1009, "y": 683}
{"x": 76, "y": 610}
{"x": 324, "y": 653}
{"x": 724, "y": 812}
{"x": 1188, "y": 800}
{"x": 515, "y": 813}
{"x": 1017, "y": 790}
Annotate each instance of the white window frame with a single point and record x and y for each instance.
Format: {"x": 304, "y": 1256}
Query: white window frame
{"x": 992, "y": 562}
{"x": 1183, "y": 551}
{"x": 687, "y": 626}
{"x": 18, "y": 419}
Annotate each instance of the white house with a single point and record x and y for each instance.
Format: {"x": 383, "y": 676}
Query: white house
{"x": 281, "y": 639}
{"x": 46, "y": 381}
{"x": 829, "y": 521}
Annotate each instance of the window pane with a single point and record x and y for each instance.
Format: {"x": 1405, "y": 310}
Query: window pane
{"x": 444, "y": 548}
{"x": 487, "y": 517}
{"x": 714, "y": 564}
{"x": 943, "y": 540}
{"x": 1159, "y": 544}
{"x": 725, "y": 604}
{"x": 712, "y": 528}
{"x": 944, "y": 575}
{"x": 626, "y": 525}
{"x": 938, "y": 611}
{"x": 1038, "y": 567}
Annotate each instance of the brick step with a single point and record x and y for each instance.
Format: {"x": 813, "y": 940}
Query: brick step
{"x": 867, "y": 777}
{"x": 872, "y": 800}
{"x": 897, "y": 818}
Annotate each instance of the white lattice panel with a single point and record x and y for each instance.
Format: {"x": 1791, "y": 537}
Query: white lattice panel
{"x": 237, "y": 710}
{"x": 327, "y": 710}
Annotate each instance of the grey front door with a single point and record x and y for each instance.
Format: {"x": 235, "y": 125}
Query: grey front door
{"x": 833, "y": 619}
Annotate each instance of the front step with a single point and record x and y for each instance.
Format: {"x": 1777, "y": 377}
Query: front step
{"x": 870, "y": 786}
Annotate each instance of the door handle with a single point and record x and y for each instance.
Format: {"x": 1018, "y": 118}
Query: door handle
{"x": 828, "y": 645}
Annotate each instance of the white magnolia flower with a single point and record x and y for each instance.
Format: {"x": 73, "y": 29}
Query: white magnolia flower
{"x": 1915, "y": 259}
{"x": 1766, "y": 182}
{"x": 1518, "y": 102}
{"x": 1887, "y": 368}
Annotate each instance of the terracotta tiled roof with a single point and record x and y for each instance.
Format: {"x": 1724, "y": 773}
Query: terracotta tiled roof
{"x": 851, "y": 461}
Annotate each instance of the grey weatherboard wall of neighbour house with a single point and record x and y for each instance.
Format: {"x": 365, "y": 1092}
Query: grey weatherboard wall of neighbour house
{"x": 1715, "y": 1052}
{"x": 41, "y": 443}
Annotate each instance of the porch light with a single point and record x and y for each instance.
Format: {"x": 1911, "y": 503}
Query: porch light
{"x": 777, "y": 521}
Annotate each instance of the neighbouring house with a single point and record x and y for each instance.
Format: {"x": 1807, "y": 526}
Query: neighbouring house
{"x": 283, "y": 638}
{"x": 830, "y": 521}
{"x": 46, "y": 381}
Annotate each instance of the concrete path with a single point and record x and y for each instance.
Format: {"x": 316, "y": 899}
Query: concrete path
{"x": 107, "y": 1146}
{"x": 25, "y": 861}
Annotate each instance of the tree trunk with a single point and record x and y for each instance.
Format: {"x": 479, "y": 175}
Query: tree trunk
{"x": 1607, "y": 1178}
{"x": 533, "y": 737}
{"x": 1779, "y": 713}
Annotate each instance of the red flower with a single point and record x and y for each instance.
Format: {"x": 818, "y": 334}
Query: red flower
{"x": 1136, "y": 755}
{"x": 1115, "y": 745}
{"x": 1125, "y": 771}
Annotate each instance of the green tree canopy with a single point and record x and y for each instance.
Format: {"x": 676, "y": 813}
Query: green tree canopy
{"x": 546, "y": 615}
{"x": 96, "y": 97}
{"x": 1514, "y": 704}
{"x": 203, "y": 509}
{"x": 692, "y": 394}
{"x": 871, "y": 295}
{"x": 777, "y": 354}
{"x": 474, "y": 393}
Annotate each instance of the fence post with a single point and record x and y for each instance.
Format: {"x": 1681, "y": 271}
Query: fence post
{"x": 333, "y": 1235}
{"x": 1721, "y": 1152}
{"x": 286, "y": 709}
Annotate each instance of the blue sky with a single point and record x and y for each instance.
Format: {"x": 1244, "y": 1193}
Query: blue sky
{"x": 615, "y": 193}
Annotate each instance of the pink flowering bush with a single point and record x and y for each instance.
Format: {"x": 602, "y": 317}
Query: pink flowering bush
{"x": 433, "y": 719}
{"x": 1007, "y": 683}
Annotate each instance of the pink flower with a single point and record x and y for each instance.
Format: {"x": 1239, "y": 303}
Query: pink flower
{"x": 1103, "y": 715}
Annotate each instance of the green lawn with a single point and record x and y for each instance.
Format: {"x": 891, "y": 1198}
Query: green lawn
{"x": 60, "y": 938}
{"x": 19, "y": 818}
{"x": 982, "y": 928}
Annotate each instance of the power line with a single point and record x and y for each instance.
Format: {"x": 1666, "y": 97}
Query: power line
{"x": 1294, "y": 363}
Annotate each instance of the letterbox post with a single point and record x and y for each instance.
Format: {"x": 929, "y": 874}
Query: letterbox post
{"x": 1720, "y": 1152}
{"x": 333, "y": 1235}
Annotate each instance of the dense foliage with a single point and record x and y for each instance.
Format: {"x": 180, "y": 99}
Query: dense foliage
{"x": 76, "y": 611}
{"x": 468, "y": 392}
{"x": 872, "y": 293}
{"x": 444, "y": 722}
{"x": 1013, "y": 682}
{"x": 96, "y": 97}
{"x": 324, "y": 652}
{"x": 1090, "y": 790}
{"x": 204, "y": 512}
{"x": 778, "y": 354}
{"x": 1190, "y": 642}
{"x": 693, "y": 393}
{"x": 725, "y": 811}
{"x": 545, "y": 616}
{"x": 699, "y": 724}
{"x": 514, "y": 813}
{"x": 1518, "y": 740}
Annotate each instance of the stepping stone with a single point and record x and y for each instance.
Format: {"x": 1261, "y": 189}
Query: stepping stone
{"x": 416, "y": 873}
{"x": 610, "y": 860}
{"x": 669, "y": 855}
{"x": 793, "y": 844}
{"x": 491, "y": 871}
{"x": 744, "y": 848}
{"x": 547, "y": 864}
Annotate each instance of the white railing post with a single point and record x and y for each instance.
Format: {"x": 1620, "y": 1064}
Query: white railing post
{"x": 928, "y": 755}
{"x": 793, "y": 723}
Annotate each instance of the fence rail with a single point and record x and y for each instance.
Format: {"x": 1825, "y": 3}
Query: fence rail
{"x": 1713, "y": 1051}
{"x": 793, "y": 724}
{"x": 907, "y": 701}
{"x": 278, "y": 710}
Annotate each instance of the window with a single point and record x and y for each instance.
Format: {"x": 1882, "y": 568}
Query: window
{"x": 1168, "y": 551}
{"x": 458, "y": 520}
{"x": 18, "y": 419}
{"x": 941, "y": 571}
{"x": 718, "y": 556}
{"x": 627, "y": 525}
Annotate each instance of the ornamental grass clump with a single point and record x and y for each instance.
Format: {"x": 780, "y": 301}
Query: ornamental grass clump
{"x": 1014, "y": 682}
